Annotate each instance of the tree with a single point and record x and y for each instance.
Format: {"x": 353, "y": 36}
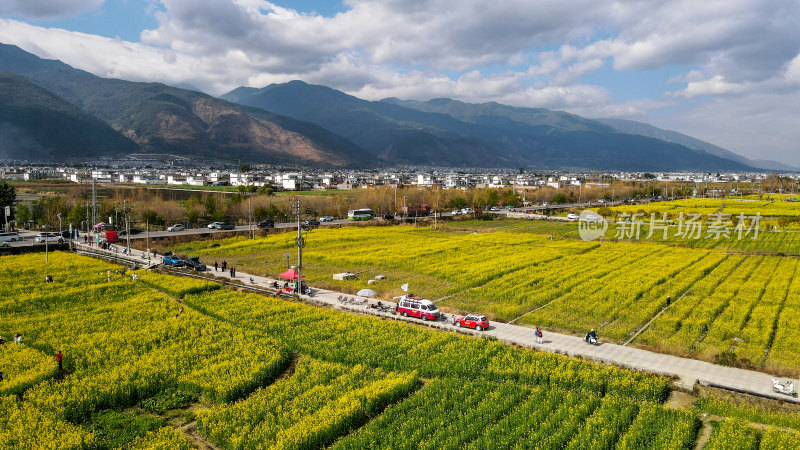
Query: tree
{"x": 259, "y": 213}
{"x": 559, "y": 199}
{"x": 211, "y": 204}
{"x": 273, "y": 211}
{"x": 458, "y": 203}
{"x": 648, "y": 176}
{"x": 7, "y": 196}
{"x": 152, "y": 217}
{"x": 23, "y": 214}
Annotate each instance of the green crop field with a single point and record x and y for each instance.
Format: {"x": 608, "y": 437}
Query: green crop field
{"x": 167, "y": 362}
{"x": 255, "y": 372}
{"x": 727, "y": 307}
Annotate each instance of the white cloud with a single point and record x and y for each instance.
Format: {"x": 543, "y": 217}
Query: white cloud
{"x": 713, "y": 86}
{"x": 759, "y": 125}
{"x": 47, "y": 9}
{"x": 518, "y": 52}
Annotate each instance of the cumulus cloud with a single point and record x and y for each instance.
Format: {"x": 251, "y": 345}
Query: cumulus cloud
{"x": 713, "y": 86}
{"x": 47, "y": 9}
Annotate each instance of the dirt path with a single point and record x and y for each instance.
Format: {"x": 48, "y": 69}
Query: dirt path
{"x": 190, "y": 433}
{"x": 704, "y": 434}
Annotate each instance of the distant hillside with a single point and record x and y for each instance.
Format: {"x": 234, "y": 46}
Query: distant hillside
{"x": 37, "y": 125}
{"x": 165, "y": 119}
{"x": 644, "y": 129}
{"x": 448, "y": 132}
{"x": 395, "y": 134}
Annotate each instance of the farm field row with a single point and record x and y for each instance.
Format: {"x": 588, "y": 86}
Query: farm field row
{"x": 127, "y": 344}
{"x": 784, "y": 242}
{"x": 730, "y": 308}
{"x": 706, "y": 206}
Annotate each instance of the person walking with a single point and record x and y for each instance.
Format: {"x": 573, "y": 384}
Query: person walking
{"x": 59, "y": 360}
{"x": 2, "y": 377}
{"x": 224, "y": 266}
{"x": 538, "y": 335}
{"x": 215, "y": 266}
{"x": 233, "y": 272}
{"x": 18, "y": 338}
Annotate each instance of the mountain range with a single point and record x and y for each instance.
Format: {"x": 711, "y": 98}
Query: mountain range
{"x": 295, "y": 123}
{"x": 643, "y": 129}
{"x": 164, "y": 119}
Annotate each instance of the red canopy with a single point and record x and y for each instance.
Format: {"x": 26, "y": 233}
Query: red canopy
{"x": 290, "y": 274}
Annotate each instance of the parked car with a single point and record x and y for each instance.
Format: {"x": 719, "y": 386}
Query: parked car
{"x": 173, "y": 261}
{"x": 214, "y": 225}
{"x": 176, "y": 227}
{"x": 388, "y": 216}
{"x": 266, "y": 223}
{"x": 456, "y": 212}
{"x": 326, "y": 219}
{"x": 226, "y": 226}
{"x": 480, "y": 323}
{"x": 572, "y": 216}
{"x": 48, "y": 237}
{"x": 194, "y": 263}
{"x": 495, "y": 208}
{"x": 132, "y": 231}
{"x": 409, "y": 305}
{"x": 467, "y": 210}
{"x": 308, "y": 223}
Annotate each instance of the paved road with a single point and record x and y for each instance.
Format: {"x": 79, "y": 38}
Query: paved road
{"x": 687, "y": 371}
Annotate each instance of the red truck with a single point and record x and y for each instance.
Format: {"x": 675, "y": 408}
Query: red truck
{"x": 110, "y": 236}
{"x": 416, "y": 211}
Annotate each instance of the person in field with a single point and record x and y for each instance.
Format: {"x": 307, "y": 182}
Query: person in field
{"x": 59, "y": 360}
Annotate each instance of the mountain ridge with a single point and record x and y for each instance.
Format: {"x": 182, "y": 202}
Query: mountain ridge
{"x": 645, "y": 129}
{"x": 165, "y": 119}
{"x": 444, "y": 131}
{"x": 26, "y": 110}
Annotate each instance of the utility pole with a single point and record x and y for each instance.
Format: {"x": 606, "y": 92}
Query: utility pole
{"x": 249, "y": 218}
{"x": 94, "y": 201}
{"x": 300, "y": 244}
{"x": 147, "y": 234}
{"x": 127, "y": 226}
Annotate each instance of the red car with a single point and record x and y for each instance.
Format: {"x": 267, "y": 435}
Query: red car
{"x": 480, "y": 323}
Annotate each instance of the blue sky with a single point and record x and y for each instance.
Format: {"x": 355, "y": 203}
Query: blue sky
{"x": 726, "y": 71}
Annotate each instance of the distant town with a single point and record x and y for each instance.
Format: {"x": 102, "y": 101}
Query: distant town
{"x": 311, "y": 179}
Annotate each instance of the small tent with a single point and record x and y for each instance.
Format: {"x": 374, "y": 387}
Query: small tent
{"x": 290, "y": 274}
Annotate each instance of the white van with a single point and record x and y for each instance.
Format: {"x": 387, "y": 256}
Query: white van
{"x": 408, "y": 305}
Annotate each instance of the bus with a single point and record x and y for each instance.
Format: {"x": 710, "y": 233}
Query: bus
{"x": 9, "y": 236}
{"x": 360, "y": 214}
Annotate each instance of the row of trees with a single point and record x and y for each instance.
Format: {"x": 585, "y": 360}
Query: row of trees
{"x": 165, "y": 207}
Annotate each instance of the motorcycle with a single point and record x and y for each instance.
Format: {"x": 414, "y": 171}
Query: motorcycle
{"x": 783, "y": 388}
{"x": 590, "y": 339}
